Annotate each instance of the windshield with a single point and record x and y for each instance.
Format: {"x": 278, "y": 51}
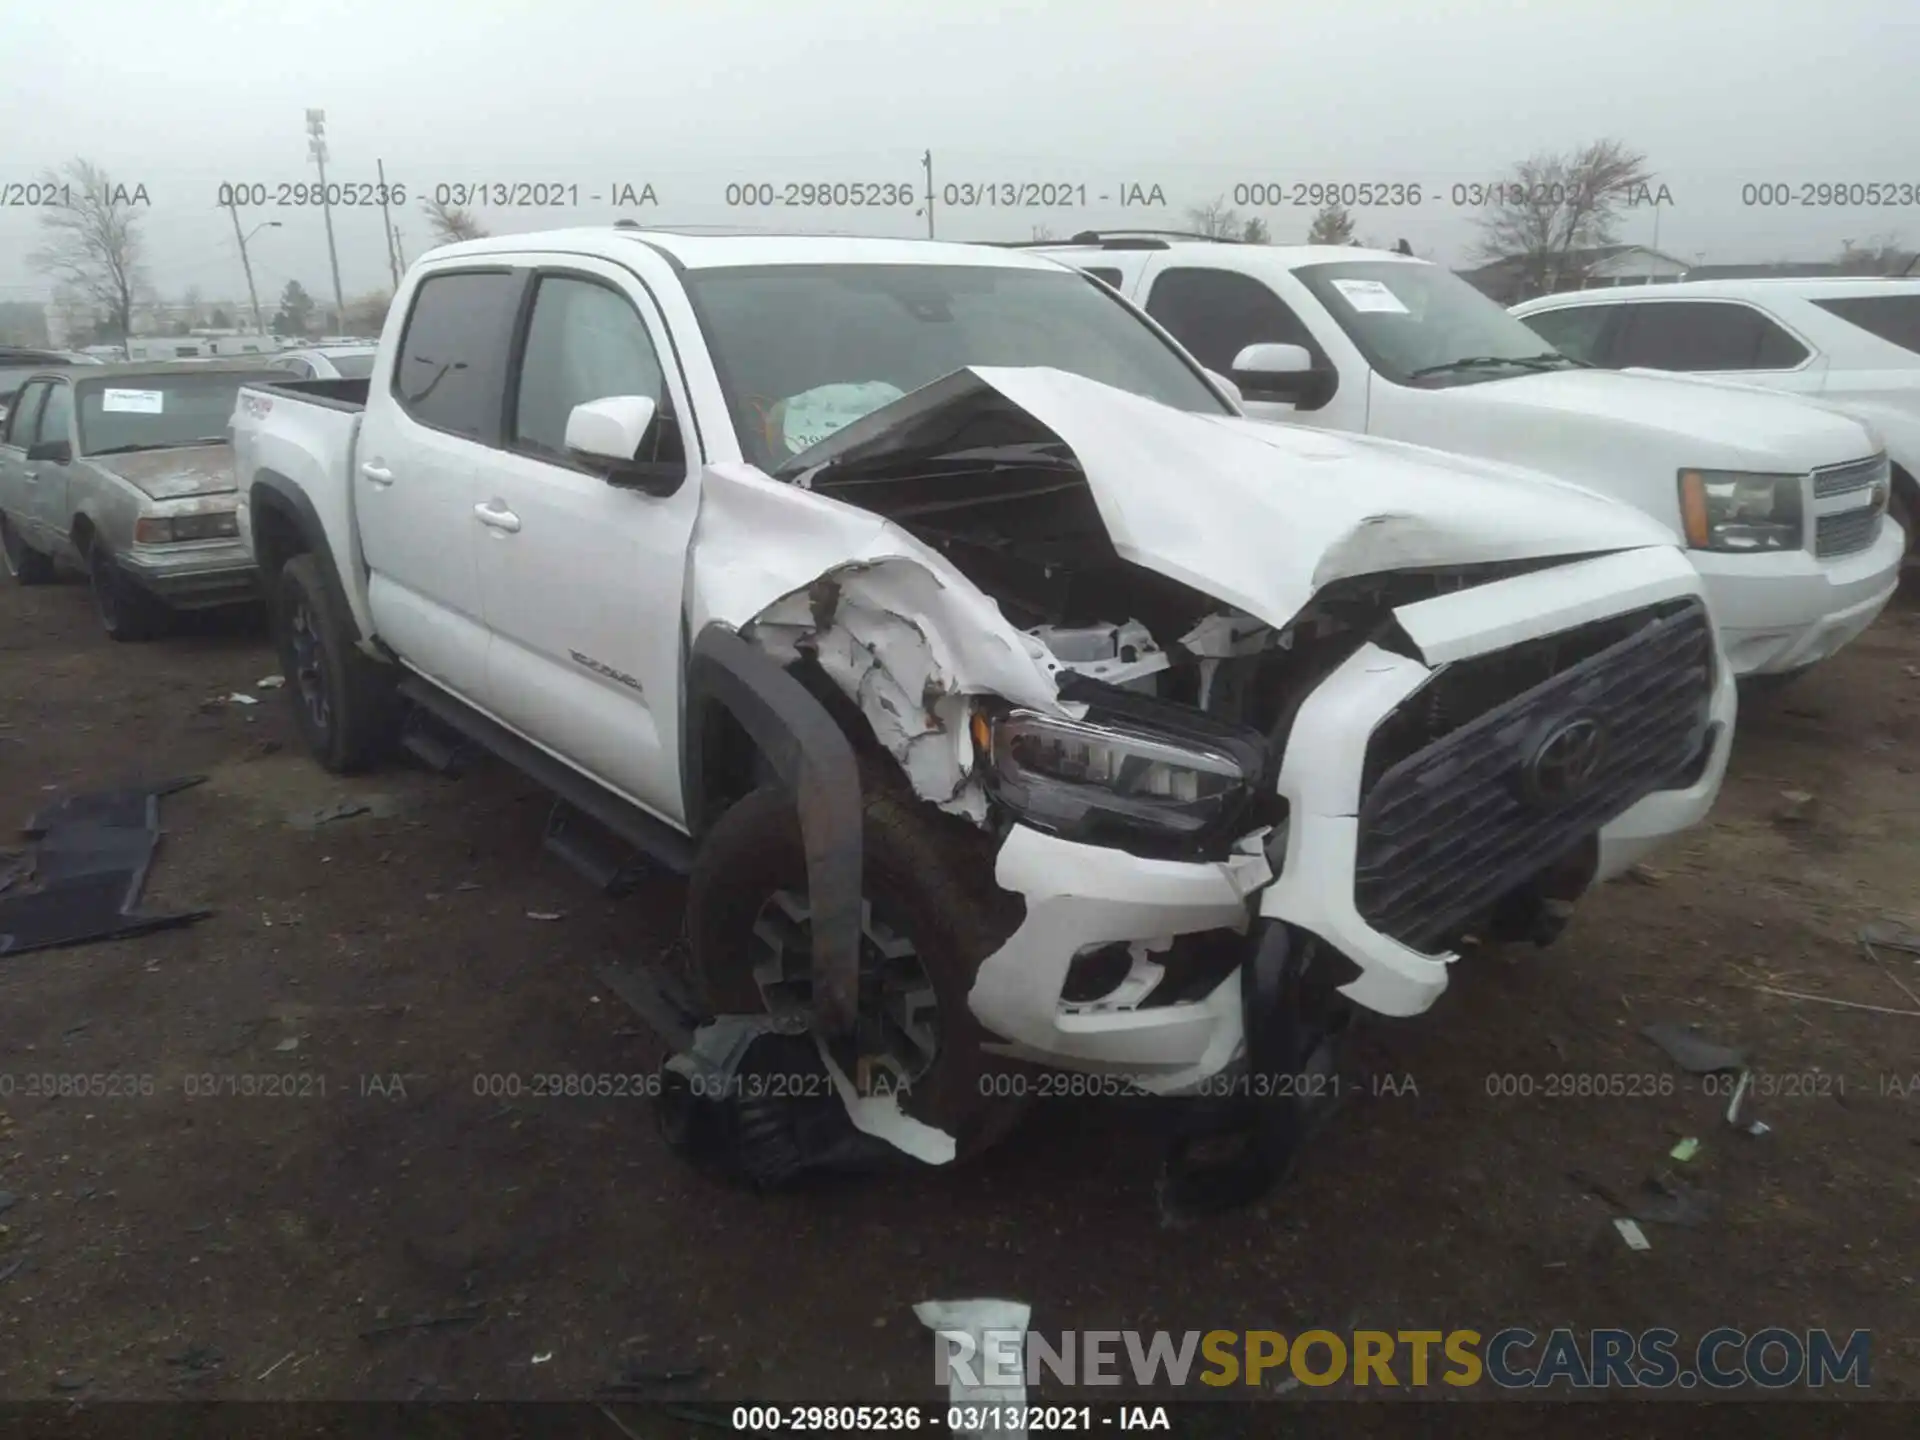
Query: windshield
{"x": 802, "y": 350}
{"x": 1423, "y": 325}
{"x": 151, "y": 412}
{"x": 352, "y": 367}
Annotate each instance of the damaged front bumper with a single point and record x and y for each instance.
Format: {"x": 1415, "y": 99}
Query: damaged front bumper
{"x": 1153, "y": 916}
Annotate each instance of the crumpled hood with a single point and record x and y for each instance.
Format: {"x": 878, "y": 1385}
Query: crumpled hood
{"x": 1258, "y": 515}
{"x": 176, "y": 474}
{"x": 1732, "y": 425}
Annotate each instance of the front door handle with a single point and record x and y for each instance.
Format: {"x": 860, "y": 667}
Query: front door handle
{"x": 378, "y": 474}
{"x": 498, "y": 519}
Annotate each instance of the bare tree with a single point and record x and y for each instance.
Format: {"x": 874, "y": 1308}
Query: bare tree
{"x": 1332, "y": 225}
{"x": 451, "y": 222}
{"x": 1043, "y": 232}
{"x": 73, "y": 318}
{"x": 93, "y": 244}
{"x": 367, "y": 314}
{"x": 1551, "y": 205}
{"x": 1255, "y": 232}
{"x": 1876, "y": 255}
{"x": 1215, "y": 219}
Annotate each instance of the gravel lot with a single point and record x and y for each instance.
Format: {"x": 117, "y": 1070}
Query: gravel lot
{"x": 242, "y": 1246}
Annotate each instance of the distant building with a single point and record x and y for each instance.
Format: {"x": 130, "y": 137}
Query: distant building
{"x": 1521, "y": 277}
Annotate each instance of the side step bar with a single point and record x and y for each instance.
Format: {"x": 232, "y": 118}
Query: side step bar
{"x": 646, "y": 833}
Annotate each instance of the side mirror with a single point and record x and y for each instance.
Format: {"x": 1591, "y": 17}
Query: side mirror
{"x": 53, "y": 452}
{"x": 1278, "y": 372}
{"x": 1233, "y": 390}
{"x": 610, "y": 432}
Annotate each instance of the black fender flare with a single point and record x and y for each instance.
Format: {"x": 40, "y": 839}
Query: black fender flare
{"x": 815, "y": 761}
{"x": 271, "y": 490}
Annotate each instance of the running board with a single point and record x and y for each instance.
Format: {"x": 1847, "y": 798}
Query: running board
{"x": 605, "y": 861}
{"x": 646, "y": 833}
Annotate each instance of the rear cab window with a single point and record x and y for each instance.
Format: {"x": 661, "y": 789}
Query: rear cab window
{"x": 453, "y": 352}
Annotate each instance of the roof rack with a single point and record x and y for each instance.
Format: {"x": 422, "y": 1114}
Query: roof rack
{"x": 1122, "y": 239}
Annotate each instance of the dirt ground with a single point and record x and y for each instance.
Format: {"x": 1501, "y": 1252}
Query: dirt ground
{"x": 235, "y": 1245}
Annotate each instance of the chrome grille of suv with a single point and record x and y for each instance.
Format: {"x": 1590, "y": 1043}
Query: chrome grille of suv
{"x": 1857, "y": 475}
{"x": 1845, "y": 532}
{"x": 1451, "y": 823}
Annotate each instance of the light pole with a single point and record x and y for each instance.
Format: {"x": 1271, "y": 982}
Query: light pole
{"x": 247, "y": 264}
{"x": 317, "y": 148}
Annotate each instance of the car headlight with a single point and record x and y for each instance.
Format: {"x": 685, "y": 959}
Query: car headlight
{"x": 169, "y": 529}
{"x": 1741, "y": 511}
{"x": 1093, "y": 781}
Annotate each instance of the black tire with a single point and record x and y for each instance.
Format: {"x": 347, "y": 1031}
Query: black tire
{"x": 1764, "y": 689}
{"x": 343, "y": 703}
{"x": 929, "y": 876}
{"x": 27, "y": 565}
{"x": 127, "y": 613}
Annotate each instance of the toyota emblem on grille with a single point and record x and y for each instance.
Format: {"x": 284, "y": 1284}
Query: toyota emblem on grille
{"x": 1566, "y": 762}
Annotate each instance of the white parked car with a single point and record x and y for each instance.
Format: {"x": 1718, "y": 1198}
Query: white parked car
{"x": 1164, "y": 734}
{"x": 327, "y": 362}
{"x": 1850, "y": 343}
{"x": 1781, "y": 503}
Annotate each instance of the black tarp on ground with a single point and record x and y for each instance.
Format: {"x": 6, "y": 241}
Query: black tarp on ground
{"x": 90, "y": 858}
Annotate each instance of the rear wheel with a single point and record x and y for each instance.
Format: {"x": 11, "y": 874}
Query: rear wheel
{"x": 126, "y": 611}
{"x": 343, "y": 703}
{"x": 927, "y": 922}
{"x": 27, "y": 565}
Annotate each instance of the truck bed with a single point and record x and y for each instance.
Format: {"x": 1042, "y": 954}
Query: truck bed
{"x": 334, "y": 394}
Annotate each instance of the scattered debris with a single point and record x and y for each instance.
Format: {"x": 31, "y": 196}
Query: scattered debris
{"x": 1830, "y": 1000}
{"x": 1668, "y": 1201}
{"x": 467, "y": 885}
{"x": 1646, "y": 875}
{"x": 1689, "y": 1051}
{"x": 1796, "y": 807}
{"x": 269, "y": 682}
{"x": 197, "y": 1357}
{"x": 546, "y": 914}
{"x": 1891, "y": 934}
{"x": 326, "y": 814}
{"x": 961, "y": 1327}
{"x": 70, "y": 1382}
{"x": 7, "y": 1201}
{"x": 543, "y": 1358}
{"x": 90, "y": 859}
{"x": 1741, "y": 1090}
{"x": 1635, "y": 1237}
{"x": 288, "y": 1045}
{"x": 7, "y": 1272}
{"x": 239, "y": 697}
{"x": 276, "y": 1365}
{"x": 425, "y": 1322}
{"x": 1685, "y": 1150}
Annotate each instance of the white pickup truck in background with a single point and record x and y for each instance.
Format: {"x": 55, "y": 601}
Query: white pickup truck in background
{"x": 1007, "y": 695}
{"x": 1782, "y": 504}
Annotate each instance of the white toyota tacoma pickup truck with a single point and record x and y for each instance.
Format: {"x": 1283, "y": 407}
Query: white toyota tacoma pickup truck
{"x": 1782, "y": 503}
{"x": 1009, "y": 699}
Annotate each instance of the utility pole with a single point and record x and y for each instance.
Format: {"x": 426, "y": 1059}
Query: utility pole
{"x": 317, "y": 148}
{"x": 926, "y": 163}
{"x": 259, "y": 326}
{"x": 399, "y": 246}
{"x": 386, "y": 218}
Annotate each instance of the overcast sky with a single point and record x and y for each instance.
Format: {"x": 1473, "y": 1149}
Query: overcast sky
{"x": 1195, "y": 97}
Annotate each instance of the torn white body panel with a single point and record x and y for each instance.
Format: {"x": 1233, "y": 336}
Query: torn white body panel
{"x": 1261, "y": 516}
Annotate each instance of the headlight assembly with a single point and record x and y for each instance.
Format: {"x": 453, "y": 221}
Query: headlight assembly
{"x": 1089, "y": 780}
{"x": 1738, "y": 511}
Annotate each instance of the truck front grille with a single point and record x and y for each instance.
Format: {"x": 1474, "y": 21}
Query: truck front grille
{"x": 1459, "y": 808}
{"x": 1846, "y": 532}
{"x": 1843, "y": 479}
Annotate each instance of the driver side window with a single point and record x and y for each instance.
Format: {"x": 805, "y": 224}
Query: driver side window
{"x": 56, "y": 416}
{"x": 584, "y": 342}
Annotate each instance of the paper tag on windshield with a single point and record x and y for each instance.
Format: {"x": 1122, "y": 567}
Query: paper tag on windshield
{"x": 134, "y": 402}
{"x": 1371, "y": 295}
{"x": 810, "y": 417}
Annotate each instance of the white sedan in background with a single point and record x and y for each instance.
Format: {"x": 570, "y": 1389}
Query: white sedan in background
{"x": 327, "y": 362}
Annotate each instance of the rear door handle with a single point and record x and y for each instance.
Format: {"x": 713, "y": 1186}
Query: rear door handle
{"x": 378, "y": 474}
{"x": 500, "y": 519}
